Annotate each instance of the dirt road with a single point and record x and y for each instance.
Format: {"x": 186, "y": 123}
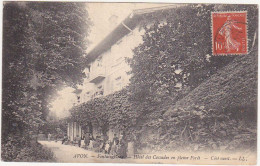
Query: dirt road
{"x": 72, "y": 154}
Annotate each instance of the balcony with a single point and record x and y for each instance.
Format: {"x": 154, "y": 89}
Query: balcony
{"x": 97, "y": 75}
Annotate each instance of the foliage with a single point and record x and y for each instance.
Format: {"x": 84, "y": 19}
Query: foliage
{"x": 36, "y": 153}
{"x": 172, "y": 62}
{"x": 234, "y": 86}
{"x": 12, "y": 147}
{"x": 162, "y": 65}
{"x": 112, "y": 111}
{"x": 226, "y": 119}
{"x": 57, "y": 127}
{"x": 19, "y": 148}
{"x": 201, "y": 129}
{"x": 204, "y": 129}
{"x": 43, "y": 48}
{"x": 175, "y": 56}
{"x": 174, "y": 59}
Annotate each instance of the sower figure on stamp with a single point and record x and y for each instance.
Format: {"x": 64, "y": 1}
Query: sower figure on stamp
{"x": 226, "y": 31}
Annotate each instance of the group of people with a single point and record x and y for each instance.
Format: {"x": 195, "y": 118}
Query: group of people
{"x": 102, "y": 144}
{"x": 116, "y": 146}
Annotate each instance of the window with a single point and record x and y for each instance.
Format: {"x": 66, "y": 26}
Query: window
{"x": 99, "y": 92}
{"x": 87, "y": 75}
{"x": 99, "y": 61}
{"x": 118, "y": 83}
{"x": 118, "y": 78}
{"x": 87, "y": 95}
{"x": 87, "y": 71}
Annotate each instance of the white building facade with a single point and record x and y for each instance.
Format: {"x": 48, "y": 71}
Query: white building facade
{"x": 107, "y": 70}
{"x": 108, "y": 73}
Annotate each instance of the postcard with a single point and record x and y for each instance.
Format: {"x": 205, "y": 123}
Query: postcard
{"x": 165, "y": 83}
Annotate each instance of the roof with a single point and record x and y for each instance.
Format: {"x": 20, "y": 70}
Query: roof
{"x": 77, "y": 91}
{"x": 131, "y": 21}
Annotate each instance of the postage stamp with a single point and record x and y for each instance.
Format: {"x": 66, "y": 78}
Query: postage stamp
{"x": 229, "y": 33}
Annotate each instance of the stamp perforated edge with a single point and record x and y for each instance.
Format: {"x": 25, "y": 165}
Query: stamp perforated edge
{"x": 212, "y": 38}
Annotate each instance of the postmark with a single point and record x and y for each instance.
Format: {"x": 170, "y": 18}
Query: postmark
{"x": 229, "y": 33}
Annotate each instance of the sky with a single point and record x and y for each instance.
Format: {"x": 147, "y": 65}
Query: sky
{"x": 63, "y": 103}
{"x": 101, "y": 12}
{"x": 105, "y": 17}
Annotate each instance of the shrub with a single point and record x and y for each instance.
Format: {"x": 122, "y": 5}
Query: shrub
{"x": 34, "y": 153}
{"x": 22, "y": 150}
{"x": 209, "y": 129}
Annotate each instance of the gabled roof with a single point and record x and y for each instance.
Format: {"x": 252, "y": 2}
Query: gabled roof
{"x": 125, "y": 27}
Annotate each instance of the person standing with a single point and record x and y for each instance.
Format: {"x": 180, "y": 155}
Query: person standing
{"x": 114, "y": 145}
{"x": 56, "y": 137}
{"x": 104, "y": 142}
{"x": 107, "y": 147}
{"x": 121, "y": 153}
{"x": 64, "y": 139}
{"x": 78, "y": 139}
{"x": 87, "y": 140}
{"x": 49, "y": 137}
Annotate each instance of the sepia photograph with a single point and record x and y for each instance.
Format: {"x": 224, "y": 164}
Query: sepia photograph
{"x": 152, "y": 83}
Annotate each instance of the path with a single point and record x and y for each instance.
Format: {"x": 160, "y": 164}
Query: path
{"x": 69, "y": 153}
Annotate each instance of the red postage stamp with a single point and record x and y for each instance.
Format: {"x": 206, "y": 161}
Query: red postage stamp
{"x": 229, "y": 33}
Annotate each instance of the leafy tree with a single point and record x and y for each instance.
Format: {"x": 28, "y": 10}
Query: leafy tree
{"x": 112, "y": 111}
{"x": 43, "y": 48}
{"x": 175, "y": 58}
{"x": 176, "y": 54}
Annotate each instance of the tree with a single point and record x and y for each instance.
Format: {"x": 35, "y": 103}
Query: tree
{"x": 43, "y": 49}
{"x": 112, "y": 111}
{"x": 176, "y": 57}
{"x": 176, "y": 54}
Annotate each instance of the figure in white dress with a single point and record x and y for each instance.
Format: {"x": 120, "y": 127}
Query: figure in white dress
{"x": 107, "y": 147}
{"x": 226, "y": 31}
{"x": 90, "y": 145}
